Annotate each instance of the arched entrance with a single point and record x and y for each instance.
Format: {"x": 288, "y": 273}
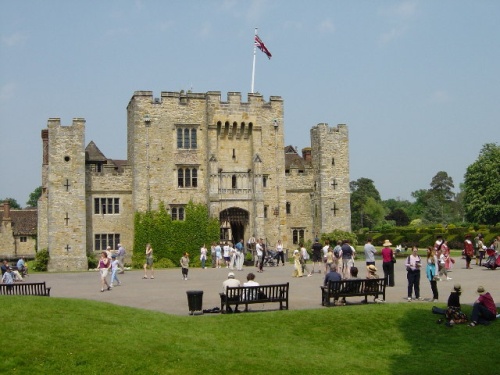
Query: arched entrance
{"x": 233, "y": 221}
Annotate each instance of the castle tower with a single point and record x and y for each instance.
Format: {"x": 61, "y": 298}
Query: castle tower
{"x": 62, "y": 220}
{"x": 331, "y": 192}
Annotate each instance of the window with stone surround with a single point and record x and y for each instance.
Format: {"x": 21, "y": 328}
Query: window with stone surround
{"x": 266, "y": 208}
{"x": 264, "y": 180}
{"x": 298, "y": 235}
{"x": 103, "y": 240}
{"x": 187, "y": 177}
{"x": 106, "y": 206}
{"x": 288, "y": 208}
{"x": 177, "y": 212}
{"x": 23, "y": 239}
{"x": 187, "y": 137}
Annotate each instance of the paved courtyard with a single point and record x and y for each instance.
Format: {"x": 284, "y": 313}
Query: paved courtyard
{"x": 167, "y": 292}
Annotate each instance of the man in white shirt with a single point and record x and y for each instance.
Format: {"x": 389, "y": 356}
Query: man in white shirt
{"x": 231, "y": 282}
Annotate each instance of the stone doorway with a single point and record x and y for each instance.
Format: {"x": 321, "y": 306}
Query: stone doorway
{"x": 233, "y": 222}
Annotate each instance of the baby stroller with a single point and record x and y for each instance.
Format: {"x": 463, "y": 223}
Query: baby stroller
{"x": 493, "y": 260}
{"x": 270, "y": 258}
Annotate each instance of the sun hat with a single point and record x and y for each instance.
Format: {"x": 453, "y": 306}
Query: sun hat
{"x": 387, "y": 243}
{"x": 230, "y": 275}
{"x": 457, "y": 287}
{"x": 480, "y": 289}
{"x": 371, "y": 268}
{"x": 295, "y": 251}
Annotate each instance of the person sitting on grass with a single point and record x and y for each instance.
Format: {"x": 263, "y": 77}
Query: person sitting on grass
{"x": 453, "y": 313}
{"x": 484, "y": 309}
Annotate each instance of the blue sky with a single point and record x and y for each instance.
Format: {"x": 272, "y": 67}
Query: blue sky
{"x": 417, "y": 82}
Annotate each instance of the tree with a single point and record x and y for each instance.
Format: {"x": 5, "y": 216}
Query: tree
{"x": 12, "y": 203}
{"x": 33, "y": 199}
{"x": 482, "y": 187}
{"x": 441, "y": 186}
{"x": 361, "y": 190}
{"x": 399, "y": 216}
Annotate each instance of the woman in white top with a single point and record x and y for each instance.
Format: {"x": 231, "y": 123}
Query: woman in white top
{"x": 280, "y": 254}
{"x": 203, "y": 256}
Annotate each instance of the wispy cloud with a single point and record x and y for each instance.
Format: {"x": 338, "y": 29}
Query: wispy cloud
{"x": 399, "y": 16}
{"x": 440, "y": 96}
{"x": 14, "y": 39}
{"x": 205, "y": 30}
{"x": 326, "y": 26}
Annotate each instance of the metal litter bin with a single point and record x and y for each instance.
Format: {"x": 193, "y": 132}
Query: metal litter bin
{"x": 195, "y": 300}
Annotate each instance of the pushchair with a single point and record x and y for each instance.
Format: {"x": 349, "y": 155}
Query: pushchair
{"x": 493, "y": 260}
{"x": 270, "y": 258}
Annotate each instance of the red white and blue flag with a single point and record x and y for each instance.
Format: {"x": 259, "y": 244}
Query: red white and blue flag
{"x": 260, "y": 45}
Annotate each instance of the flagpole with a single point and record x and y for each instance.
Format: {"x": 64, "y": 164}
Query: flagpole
{"x": 253, "y": 66}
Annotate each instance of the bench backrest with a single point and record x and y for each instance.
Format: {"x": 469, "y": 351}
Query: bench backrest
{"x": 25, "y": 289}
{"x": 356, "y": 286}
{"x": 262, "y": 292}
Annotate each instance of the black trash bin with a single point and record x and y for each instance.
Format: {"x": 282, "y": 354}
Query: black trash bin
{"x": 195, "y": 300}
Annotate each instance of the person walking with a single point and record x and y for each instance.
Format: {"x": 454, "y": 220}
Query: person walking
{"x": 388, "y": 263}
{"x": 413, "y": 264}
{"x": 115, "y": 269}
{"x": 203, "y": 256}
{"x": 316, "y": 255}
{"x": 304, "y": 258}
{"x": 432, "y": 271}
{"x": 468, "y": 250}
{"x": 185, "y": 265}
{"x": 149, "y": 262}
{"x": 104, "y": 265}
{"x": 280, "y": 253}
{"x": 120, "y": 256}
{"x": 240, "y": 255}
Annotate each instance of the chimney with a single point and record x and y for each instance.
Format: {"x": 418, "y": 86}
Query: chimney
{"x": 6, "y": 210}
{"x": 306, "y": 154}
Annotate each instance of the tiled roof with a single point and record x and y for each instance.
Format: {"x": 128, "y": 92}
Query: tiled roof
{"x": 24, "y": 222}
{"x": 294, "y": 160}
{"x": 92, "y": 153}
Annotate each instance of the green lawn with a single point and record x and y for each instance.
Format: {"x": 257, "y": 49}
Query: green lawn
{"x": 64, "y": 336}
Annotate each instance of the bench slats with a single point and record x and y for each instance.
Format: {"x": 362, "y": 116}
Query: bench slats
{"x": 246, "y": 295}
{"x": 25, "y": 289}
{"x": 352, "y": 288}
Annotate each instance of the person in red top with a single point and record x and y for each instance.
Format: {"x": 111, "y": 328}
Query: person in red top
{"x": 484, "y": 309}
{"x": 387, "y": 263}
{"x": 468, "y": 250}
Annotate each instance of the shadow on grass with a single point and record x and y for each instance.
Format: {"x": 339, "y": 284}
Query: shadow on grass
{"x": 460, "y": 349}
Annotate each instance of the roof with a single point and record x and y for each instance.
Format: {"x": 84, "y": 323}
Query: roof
{"x": 93, "y": 154}
{"x": 294, "y": 160}
{"x": 24, "y": 222}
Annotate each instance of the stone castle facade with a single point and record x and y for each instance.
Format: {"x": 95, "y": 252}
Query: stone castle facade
{"x": 229, "y": 155}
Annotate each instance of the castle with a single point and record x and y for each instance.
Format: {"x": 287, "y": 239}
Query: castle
{"x": 229, "y": 155}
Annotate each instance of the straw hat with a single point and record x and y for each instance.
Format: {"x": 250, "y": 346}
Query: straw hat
{"x": 480, "y": 289}
{"x": 386, "y": 243}
{"x": 371, "y": 268}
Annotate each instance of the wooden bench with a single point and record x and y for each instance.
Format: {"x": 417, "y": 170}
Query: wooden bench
{"x": 352, "y": 288}
{"x": 247, "y": 295}
{"x": 25, "y": 289}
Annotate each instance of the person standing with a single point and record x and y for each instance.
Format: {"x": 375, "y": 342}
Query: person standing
{"x": 388, "y": 263}
{"x": 484, "y": 309}
{"x": 240, "y": 255}
{"x": 120, "y": 256}
{"x": 104, "y": 265}
{"x": 297, "y": 272}
{"x": 413, "y": 264}
{"x": 218, "y": 255}
{"x": 370, "y": 252}
{"x": 226, "y": 254}
{"x": 185, "y": 265}
{"x": 325, "y": 254}
{"x": 203, "y": 256}
{"x": 8, "y": 278}
{"x": 149, "y": 262}
{"x": 280, "y": 253}
{"x": 259, "y": 255}
{"x": 213, "y": 257}
{"x": 115, "y": 268}
{"x": 468, "y": 250}
{"x": 347, "y": 259}
{"x": 432, "y": 271}
{"x": 305, "y": 257}
{"x": 481, "y": 248}
{"x": 316, "y": 255}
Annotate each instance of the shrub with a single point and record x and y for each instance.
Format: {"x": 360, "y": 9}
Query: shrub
{"x": 92, "y": 262}
{"x": 41, "y": 262}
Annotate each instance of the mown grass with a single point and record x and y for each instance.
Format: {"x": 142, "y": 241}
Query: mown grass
{"x": 65, "y": 336}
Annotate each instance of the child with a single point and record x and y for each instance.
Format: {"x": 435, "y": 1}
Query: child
{"x": 185, "y": 266}
{"x": 114, "y": 270}
{"x": 297, "y": 272}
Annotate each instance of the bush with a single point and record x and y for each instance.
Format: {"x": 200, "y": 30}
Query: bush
{"x": 41, "y": 262}
{"x": 92, "y": 262}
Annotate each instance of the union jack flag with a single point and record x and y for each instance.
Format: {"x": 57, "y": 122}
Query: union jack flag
{"x": 260, "y": 45}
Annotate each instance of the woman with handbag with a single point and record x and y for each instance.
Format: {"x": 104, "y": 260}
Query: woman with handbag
{"x": 388, "y": 261}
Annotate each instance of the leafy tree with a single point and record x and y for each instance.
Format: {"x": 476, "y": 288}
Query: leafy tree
{"x": 361, "y": 190}
{"x": 441, "y": 186}
{"x": 399, "y": 216}
{"x": 33, "y": 199}
{"x": 12, "y": 202}
{"x": 482, "y": 187}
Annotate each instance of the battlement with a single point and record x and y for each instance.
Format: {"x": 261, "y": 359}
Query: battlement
{"x": 323, "y": 127}
{"x": 210, "y": 97}
{"x": 55, "y": 122}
